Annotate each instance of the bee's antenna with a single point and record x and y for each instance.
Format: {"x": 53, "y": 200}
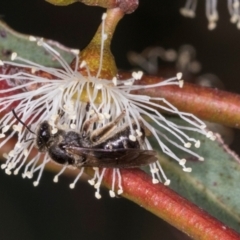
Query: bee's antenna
{"x": 16, "y": 116}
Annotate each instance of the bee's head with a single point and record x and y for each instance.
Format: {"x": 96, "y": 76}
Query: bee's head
{"x": 44, "y": 136}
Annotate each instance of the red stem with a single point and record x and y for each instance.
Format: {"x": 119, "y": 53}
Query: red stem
{"x": 171, "y": 207}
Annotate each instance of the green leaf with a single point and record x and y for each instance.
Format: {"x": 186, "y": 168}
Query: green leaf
{"x": 11, "y": 41}
{"x": 213, "y": 184}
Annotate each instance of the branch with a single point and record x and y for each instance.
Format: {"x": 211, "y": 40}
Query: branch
{"x": 171, "y": 207}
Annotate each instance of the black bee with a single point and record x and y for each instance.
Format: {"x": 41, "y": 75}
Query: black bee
{"x": 108, "y": 147}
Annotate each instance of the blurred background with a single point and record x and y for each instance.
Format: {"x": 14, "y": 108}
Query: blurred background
{"x": 53, "y": 211}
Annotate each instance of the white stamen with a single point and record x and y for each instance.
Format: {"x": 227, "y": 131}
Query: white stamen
{"x": 197, "y": 144}
{"x": 13, "y": 56}
{"x": 132, "y": 138}
{"x": 33, "y": 70}
{"x": 167, "y": 182}
{"x": 181, "y": 83}
{"x": 83, "y": 64}
{"x": 18, "y": 145}
{"x": 179, "y": 75}
{"x": 187, "y": 169}
{"x": 56, "y": 177}
{"x": 154, "y": 170}
{"x": 213, "y": 138}
{"x": 75, "y": 51}
{"x": 139, "y": 133}
{"x": 137, "y": 75}
{"x": 112, "y": 193}
{"x": 104, "y": 16}
{"x": 120, "y": 191}
{"x": 106, "y": 115}
{"x": 72, "y": 185}
{"x": 91, "y": 182}
{"x": 128, "y": 83}
{"x": 114, "y": 80}
{"x": 3, "y": 166}
{"x": 11, "y": 153}
{"x": 40, "y": 42}
{"x": 155, "y": 181}
{"x": 17, "y": 128}
{"x": 182, "y": 162}
{"x": 25, "y": 152}
{"x": 187, "y": 145}
{"x": 35, "y": 183}
{"x": 99, "y": 86}
{"x": 209, "y": 134}
{"x": 7, "y": 171}
{"x": 54, "y": 131}
{"x": 98, "y": 195}
{"x": 2, "y": 135}
{"x": 100, "y": 116}
{"x": 32, "y": 39}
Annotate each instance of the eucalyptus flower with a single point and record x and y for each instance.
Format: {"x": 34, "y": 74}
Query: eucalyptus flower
{"x": 62, "y": 96}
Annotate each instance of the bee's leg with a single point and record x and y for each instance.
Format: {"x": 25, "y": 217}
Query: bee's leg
{"x": 87, "y": 125}
{"x": 105, "y": 131}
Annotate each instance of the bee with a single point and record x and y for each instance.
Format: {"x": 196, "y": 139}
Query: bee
{"x": 107, "y": 147}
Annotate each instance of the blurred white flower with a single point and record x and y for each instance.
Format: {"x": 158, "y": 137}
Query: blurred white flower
{"x": 189, "y": 10}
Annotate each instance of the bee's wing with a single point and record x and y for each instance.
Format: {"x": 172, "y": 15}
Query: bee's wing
{"x": 116, "y": 158}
